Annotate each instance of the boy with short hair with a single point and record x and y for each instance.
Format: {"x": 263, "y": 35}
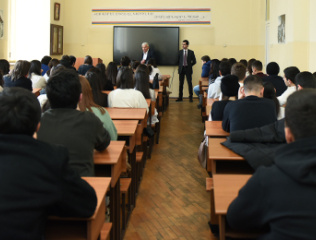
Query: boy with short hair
{"x": 80, "y": 132}
{"x": 35, "y": 178}
{"x": 251, "y": 110}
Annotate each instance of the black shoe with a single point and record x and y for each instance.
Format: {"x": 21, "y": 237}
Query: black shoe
{"x": 179, "y": 100}
{"x": 191, "y": 100}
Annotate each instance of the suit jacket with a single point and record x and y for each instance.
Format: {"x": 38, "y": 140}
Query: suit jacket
{"x": 149, "y": 55}
{"x": 190, "y": 60}
{"x": 36, "y": 181}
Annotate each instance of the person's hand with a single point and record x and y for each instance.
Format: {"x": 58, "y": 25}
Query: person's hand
{"x": 142, "y": 61}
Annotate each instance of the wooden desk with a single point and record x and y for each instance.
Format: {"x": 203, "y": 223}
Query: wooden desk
{"x": 219, "y": 153}
{"x": 126, "y": 130}
{"x": 127, "y": 113}
{"x": 111, "y": 162}
{"x": 209, "y": 104}
{"x": 214, "y": 129}
{"x": 81, "y": 228}
{"x": 226, "y": 188}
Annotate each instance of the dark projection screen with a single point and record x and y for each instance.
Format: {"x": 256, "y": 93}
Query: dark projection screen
{"x": 164, "y": 41}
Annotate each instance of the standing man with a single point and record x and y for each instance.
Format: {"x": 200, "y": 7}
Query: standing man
{"x": 186, "y": 62}
{"x": 147, "y": 53}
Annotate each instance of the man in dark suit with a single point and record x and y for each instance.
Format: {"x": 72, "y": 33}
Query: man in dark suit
{"x": 147, "y": 53}
{"x": 186, "y": 61}
{"x": 35, "y": 177}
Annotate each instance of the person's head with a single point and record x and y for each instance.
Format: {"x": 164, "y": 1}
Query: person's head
{"x": 65, "y": 61}
{"x": 273, "y": 69}
{"x": 21, "y": 69}
{"x": 224, "y": 68}
{"x": 143, "y": 67}
{"x": 4, "y": 67}
{"x": 124, "y": 78}
{"x": 289, "y": 75}
{"x": 111, "y": 72}
{"x": 205, "y": 58}
{"x": 270, "y": 93}
{"x": 35, "y": 68}
{"x": 230, "y": 86}
{"x": 232, "y": 61}
{"x": 142, "y": 83}
{"x": 145, "y": 47}
{"x": 185, "y": 44}
{"x": 215, "y": 68}
{"x": 93, "y": 75}
{"x": 150, "y": 68}
{"x": 53, "y": 63}
{"x": 87, "y": 101}
{"x": 239, "y": 70}
{"x": 72, "y": 60}
{"x": 257, "y": 67}
{"x": 125, "y": 61}
{"x": 300, "y": 115}
{"x": 45, "y": 60}
{"x": 245, "y": 62}
{"x": 20, "y": 111}
{"x": 102, "y": 70}
{"x": 249, "y": 66}
{"x": 253, "y": 85}
{"x": 305, "y": 80}
{"x": 63, "y": 89}
{"x": 134, "y": 65}
{"x": 88, "y": 60}
{"x": 152, "y": 62}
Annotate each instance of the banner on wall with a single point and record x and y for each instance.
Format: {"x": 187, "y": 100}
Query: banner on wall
{"x": 152, "y": 16}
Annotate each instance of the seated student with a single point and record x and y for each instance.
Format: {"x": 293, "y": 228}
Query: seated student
{"x": 249, "y": 66}
{"x": 229, "y": 88}
{"x": 257, "y": 69}
{"x": 18, "y": 76}
{"x": 134, "y": 65}
{"x": 270, "y": 93}
{"x": 87, "y": 64}
{"x": 125, "y": 61}
{"x": 305, "y": 80}
{"x": 206, "y": 70}
{"x": 111, "y": 72}
{"x": 142, "y": 84}
{"x": 87, "y": 104}
{"x": 154, "y": 70}
{"x": 280, "y": 199}
{"x": 35, "y": 178}
{"x": 80, "y": 132}
{"x": 44, "y": 64}
{"x": 273, "y": 70}
{"x": 251, "y": 110}
{"x": 289, "y": 80}
{"x": 239, "y": 70}
{"x": 1, "y": 82}
{"x": 214, "y": 89}
{"x": 125, "y": 95}
{"x": 38, "y": 81}
{"x": 4, "y": 67}
{"x": 106, "y": 84}
{"x": 93, "y": 75}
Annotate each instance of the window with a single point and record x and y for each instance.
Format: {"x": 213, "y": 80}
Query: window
{"x": 29, "y": 31}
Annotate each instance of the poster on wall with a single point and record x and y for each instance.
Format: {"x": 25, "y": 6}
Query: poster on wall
{"x": 281, "y": 29}
{"x": 152, "y": 16}
{"x": 1, "y": 24}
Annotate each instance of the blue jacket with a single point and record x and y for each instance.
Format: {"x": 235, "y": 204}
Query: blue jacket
{"x": 206, "y": 68}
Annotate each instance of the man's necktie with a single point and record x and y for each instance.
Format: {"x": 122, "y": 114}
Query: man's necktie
{"x": 185, "y": 59}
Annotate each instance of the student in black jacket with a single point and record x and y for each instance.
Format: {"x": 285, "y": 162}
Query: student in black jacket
{"x": 35, "y": 178}
{"x": 280, "y": 199}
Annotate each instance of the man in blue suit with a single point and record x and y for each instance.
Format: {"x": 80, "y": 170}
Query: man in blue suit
{"x": 186, "y": 59}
